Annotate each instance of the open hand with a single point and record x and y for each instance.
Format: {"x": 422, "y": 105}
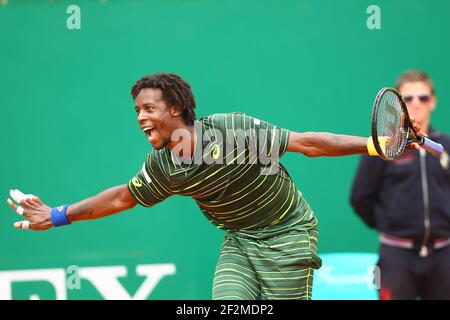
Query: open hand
{"x": 31, "y": 208}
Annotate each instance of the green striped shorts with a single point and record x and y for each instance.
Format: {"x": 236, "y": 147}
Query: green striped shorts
{"x": 275, "y": 267}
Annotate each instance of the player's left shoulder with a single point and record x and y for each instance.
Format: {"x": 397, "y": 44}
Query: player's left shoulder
{"x": 214, "y": 117}
{"x": 222, "y": 120}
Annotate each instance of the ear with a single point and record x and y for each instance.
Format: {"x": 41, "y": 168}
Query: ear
{"x": 434, "y": 103}
{"x": 175, "y": 111}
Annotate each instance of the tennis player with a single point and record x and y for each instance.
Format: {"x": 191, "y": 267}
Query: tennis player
{"x": 228, "y": 163}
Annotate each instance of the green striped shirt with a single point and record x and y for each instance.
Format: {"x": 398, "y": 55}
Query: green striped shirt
{"x": 237, "y": 191}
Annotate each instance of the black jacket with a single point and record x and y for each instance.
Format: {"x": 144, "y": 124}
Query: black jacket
{"x": 390, "y": 196}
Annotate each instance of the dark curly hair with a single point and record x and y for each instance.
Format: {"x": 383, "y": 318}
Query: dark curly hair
{"x": 175, "y": 92}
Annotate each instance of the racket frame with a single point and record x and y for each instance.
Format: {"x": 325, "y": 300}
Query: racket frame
{"x": 406, "y": 124}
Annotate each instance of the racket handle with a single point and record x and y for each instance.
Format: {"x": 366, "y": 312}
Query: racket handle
{"x": 432, "y": 147}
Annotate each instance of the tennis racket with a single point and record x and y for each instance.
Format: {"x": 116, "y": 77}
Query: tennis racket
{"x": 392, "y": 131}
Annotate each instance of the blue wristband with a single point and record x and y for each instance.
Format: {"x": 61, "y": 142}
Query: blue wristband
{"x": 59, "y": 217}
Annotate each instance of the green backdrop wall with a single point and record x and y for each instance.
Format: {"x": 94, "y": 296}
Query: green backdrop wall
{"x": 69, "y": 131}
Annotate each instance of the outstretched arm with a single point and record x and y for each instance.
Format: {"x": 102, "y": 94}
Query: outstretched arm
{"x": 106, "y": 203}
{"x": 316, "y": 144}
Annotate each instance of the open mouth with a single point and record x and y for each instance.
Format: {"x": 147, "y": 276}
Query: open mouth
{"x": 151, "y": 133}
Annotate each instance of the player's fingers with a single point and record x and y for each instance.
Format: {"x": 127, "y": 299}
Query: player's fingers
{"x": 28, "y": 197}
{"x": 21, "y": 198}
{"x": 417, "y": 128}
{"x": 28, "y": 201}
{"x": 22, "y": 224}
{"x": 17, "y": 195}
{"x": 419, "y": 131}
{"x": 416, "y": 145}
{"x": 12, "y": 205}
{"x": 18, "y": 209}
{"x": 36, "y": 199}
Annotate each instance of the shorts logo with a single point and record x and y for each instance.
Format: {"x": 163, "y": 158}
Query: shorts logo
{"x": 136, "y": 182}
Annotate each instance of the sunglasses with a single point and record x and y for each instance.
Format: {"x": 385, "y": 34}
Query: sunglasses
{"x": 422, "y": 98}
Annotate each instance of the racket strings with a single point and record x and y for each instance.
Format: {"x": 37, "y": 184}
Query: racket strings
{"x": 391, "y": 124}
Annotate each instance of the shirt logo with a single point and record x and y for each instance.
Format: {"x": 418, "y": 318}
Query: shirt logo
{"x": 215, "y": 152}
{"x": 444, "y": 160}
{"x": 136, "y": 182}
{"x": 60, "y": 208}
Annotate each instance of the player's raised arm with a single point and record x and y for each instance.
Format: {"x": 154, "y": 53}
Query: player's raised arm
{"x": 316, "y": 144}
{"x": 41, "y": 217}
